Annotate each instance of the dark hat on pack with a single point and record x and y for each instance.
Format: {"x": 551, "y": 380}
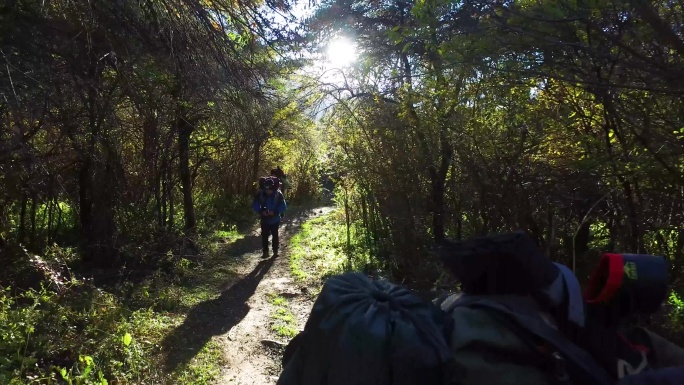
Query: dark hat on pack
{"x": 269, "y": 184}
{"x": 500, "y": 264}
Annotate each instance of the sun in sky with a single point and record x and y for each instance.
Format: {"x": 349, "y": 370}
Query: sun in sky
{"x": 341, "y": 52}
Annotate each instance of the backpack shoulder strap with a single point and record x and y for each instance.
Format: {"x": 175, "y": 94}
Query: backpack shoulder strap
{"x": 530, "y": 326}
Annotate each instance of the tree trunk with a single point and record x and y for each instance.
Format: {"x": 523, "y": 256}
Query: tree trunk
{"x": 438, "y": 185}
{"x": 85, "y": 205}
{"x": 364, "y": 209}
{"x": 50, "y": 211}
{"x": 58, "y": 222}
{"x": 579, "y": 245}
{"x": 158, "y": 198}
{"x": 22, "y": 218}
{"x": 149, "y": 154}
{"x": 634, "y": 240}
{"x": 164, "y": 198}
{"x": 185, "y": 129}
{"x": 347, "y": 216}
{"x": 172, "y": 202}
{"x": 34, "y": 208}
{"x": 256, "y": 159}
{"x": 550, "y": 230}
{"x": 438, "y": 191}
{"x": 103, "y": 226}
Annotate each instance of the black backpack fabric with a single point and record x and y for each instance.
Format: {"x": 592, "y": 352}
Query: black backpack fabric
{"x": 370, "y": 332}
{"x": 274, "y": 179}
{"x": 505, "y": 340}
{"x": 362, "y": 331}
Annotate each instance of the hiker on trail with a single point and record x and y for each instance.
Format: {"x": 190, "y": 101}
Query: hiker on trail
{"x": 520, "y": 319}
{"x": 270, "y": 204}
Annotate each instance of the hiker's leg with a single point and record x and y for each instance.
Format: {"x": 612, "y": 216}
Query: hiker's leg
{"x": 276, "y": 240}
{"x": 265, "y": 231}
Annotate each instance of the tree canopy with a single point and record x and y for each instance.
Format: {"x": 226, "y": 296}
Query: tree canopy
{"x": 560, "y": 118}
{"x": 128, "y": 129}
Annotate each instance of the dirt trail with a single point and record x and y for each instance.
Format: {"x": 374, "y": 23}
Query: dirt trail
{"x": 252, "y": 354}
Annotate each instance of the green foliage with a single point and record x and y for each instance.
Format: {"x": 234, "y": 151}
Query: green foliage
{"x": 284, "y": 324}
{"x": 204, "y": 368}
{"x": 470, "y": 118}
{"x": 320, "y": 250}
{"x": 78, "y": 334}
{"x": 181, "y": 110}
{"x": 674, "y": 323}
{"x": 224, "y": 211}
{"x": 82, "y": 335}
{"x": 299, "y": 154}
{"x": 677, "y": 305}
{"x": 317, "y": 251}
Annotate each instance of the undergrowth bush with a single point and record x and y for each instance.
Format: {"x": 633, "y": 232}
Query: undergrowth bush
{"x": 80, "y": 335}
{"x": 65, "y": 330}
{"x": 320, "y": 249}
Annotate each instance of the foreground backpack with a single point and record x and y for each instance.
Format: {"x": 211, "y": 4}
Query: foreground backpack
{"x": 523, "y": 318}
{"x": 362, "y": 331}
{"x": 367, "y": 332}
{"x": 507, "y": 340}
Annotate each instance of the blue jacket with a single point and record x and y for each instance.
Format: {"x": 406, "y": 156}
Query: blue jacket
{"x": 275, "y": 203}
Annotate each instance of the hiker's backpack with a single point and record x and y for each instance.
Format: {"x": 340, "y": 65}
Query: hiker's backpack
{"x": 263, "y": 179}
{"x": 508, "y": 340}
{"x": 362, "y": 331}
{"x": 285, "y": 181}
{"x": 505, "y": 332}
{"x": 369, "y": 332}
{"x": 278, "y": 172}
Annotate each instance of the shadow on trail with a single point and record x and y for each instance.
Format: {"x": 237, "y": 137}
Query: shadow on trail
{"x": 248, "y": 244}
{"x": 218, "y": 316}
{"x": 211, "y": 318}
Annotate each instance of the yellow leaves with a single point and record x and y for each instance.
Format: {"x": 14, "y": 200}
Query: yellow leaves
{"x": 285, "y": 112}
{"x": 679, "y": 134}
{"x": 126, "y": 339}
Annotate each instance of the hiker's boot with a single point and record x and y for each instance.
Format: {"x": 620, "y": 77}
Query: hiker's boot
{"x": 275, "y": 253}
{"x": 265, "y": 254}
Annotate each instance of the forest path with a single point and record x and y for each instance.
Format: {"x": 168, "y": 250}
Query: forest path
{"x": 252, "y": 347}
{"x": 253, "y": 317}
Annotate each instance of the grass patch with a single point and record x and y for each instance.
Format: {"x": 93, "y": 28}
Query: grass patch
{"x": 320, "y": 250}
{"x": 187, "y": 285}
{"x": 226, "y": 236}
{"x": 213, "y": 241}
{"x": 80, "y": 334}
{"x": 284, "y": 322}
{"x": 204, "y": 367}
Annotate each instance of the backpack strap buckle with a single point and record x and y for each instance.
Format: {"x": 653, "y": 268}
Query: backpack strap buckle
{"x": 560, "y": 368}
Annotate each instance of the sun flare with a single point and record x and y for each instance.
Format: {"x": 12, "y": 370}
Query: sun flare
{"x": 341, "y": 52}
